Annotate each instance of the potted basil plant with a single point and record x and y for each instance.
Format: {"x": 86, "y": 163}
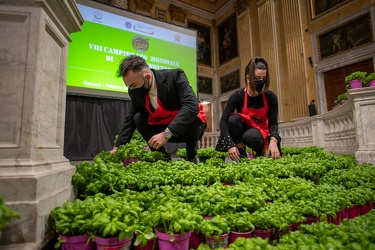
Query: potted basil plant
{"x": 355, "y": 79}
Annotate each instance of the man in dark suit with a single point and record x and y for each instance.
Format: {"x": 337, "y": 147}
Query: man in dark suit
{"x": 163, "y": 107}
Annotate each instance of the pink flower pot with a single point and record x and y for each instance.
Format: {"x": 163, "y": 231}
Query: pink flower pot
{"x": 112, "y": 243}
{"x": 354, "y": 211}
{"x": 295, "y": 226}
{"x": 355, "y": 84}
{"x": 366, "y": 208}
{"x": 262, "y": 233}
{"x": 149, "y": 246}
{"x": 234, "y": 235}
{"x": 311, "y": 220}
{"x": 127, "y": 161}
{"x": 221, "y": 242}
{"x": 195, "y": 240}
{"x": 181, "y": 241}
{"x": 371, "y": 83}
{"x": 333, "y": 220}
{"x": 80, "y": 242}
{"x": 345, "y": 213}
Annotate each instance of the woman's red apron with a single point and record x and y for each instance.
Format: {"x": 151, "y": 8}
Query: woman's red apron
{"x": 163, "y": 116}
{"x": 256, "y": 118}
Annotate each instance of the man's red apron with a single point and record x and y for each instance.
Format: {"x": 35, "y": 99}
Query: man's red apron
{"x": 163, "y": 116}
{"x": 256, "y": 118}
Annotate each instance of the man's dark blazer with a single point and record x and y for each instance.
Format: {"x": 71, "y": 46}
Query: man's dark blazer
{"x": 175, "y": 93}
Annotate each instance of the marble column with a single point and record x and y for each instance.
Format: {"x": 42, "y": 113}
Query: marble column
{"x": 364, "y": 104}
{"x": 35, "y": 177}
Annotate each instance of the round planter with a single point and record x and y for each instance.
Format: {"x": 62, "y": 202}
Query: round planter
{"x": 207, "y": 217}
{"x": 333, "y": 220}
{"x": 288, "y": 229}
{"x": 127, "y": 161}
{"x": 76, "y": 242}
{"x": 250, "y": 155}
{"x": 295, "y": 226}
{"x": 149, "y": 246}
{"x": 345, "y": 213}
{"x": 311, "y": 220}
{"x": 112, "y": 243}
{"x": 355, "y": 84}
{"x": 218, "y": 242}
{"x": 262, "y": 233}
{"x": 371, "y": 83}
{"x": 354, "y": 211}
{"x": 234, "y": 235}
{"x": 366, "y": 208}
{"x": 181, "y": 241}
{"x": 195, "y": 240}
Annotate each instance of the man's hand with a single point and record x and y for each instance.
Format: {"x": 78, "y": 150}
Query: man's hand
{"x": 113, "y": 150}
{"x": 157, "y": 141}
{"x": 234, "y": 154}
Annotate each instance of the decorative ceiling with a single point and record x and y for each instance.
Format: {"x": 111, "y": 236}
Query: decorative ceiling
{"x": 211, "y": 6}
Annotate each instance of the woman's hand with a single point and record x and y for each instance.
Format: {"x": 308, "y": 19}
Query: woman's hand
{"x": 273, "y": 150}
{"x": 234, "y": 154}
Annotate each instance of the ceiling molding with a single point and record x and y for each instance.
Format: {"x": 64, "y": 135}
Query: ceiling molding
{"x": 198, "y": 11}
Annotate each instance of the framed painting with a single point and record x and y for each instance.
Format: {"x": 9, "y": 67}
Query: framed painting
{"x": 230, "y": 81}
{"x": 347, "y": 36}
{"x": 205, "y": 85}
{"x": 203, "y": 43}
{"x": 227, "y": 37}
{"x": 321, "y": 7}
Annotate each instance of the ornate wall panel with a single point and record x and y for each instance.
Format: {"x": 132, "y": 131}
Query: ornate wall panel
{"x": 295, "y": 61}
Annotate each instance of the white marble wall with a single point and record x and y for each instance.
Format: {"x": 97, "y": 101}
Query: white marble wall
{"x": 364, "y": 114}
{"x": 34, "y": 175}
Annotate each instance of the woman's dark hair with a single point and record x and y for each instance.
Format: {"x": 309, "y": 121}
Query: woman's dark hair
{"x": 257, "y": 63}
{"x": 132, "y": 62}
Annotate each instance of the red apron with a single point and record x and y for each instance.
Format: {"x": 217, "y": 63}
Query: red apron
{"x": 256, "y": 118}
{"x": 163, "y": 116}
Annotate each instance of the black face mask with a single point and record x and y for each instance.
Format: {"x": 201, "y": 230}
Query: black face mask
{"x": 259, "y": 84}
{"x": 141, "y": 91}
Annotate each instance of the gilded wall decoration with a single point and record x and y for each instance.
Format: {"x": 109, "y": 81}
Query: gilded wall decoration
{"x": 347, "y": 36}
{"x": 205, "y": 85}
{"x": 230, "y": 81}
{"x": 177, "y": 14}
{"x": 321, "y": 7}
{"x": 227, "y": 32}
{"x": 203, "y": 43}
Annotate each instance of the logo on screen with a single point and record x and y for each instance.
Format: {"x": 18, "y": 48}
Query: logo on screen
{"x": 128, "y": 25}
{"x": 177, "y": 38}
{"x": 98, "y": 14}
{"x": 140, "y": 43}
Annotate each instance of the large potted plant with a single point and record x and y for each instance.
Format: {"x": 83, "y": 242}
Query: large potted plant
{"x": 355, "y": 79}
{"x": 114, "y": 221}
{"x": 174, "y": 222}
{"x": 240, "y": 225}
{"x": 72, "y": 223}
{"x": 341, "y": 99}
{"x": 216, "y": 230}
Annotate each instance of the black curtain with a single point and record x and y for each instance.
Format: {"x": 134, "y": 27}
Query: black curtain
{"x": 91, "y": 124}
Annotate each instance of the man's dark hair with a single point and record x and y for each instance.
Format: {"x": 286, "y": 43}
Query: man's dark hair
{"x": 132, "y": 62}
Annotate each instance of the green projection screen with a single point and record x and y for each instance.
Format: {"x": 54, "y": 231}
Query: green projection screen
{"x": 109, "y": 34}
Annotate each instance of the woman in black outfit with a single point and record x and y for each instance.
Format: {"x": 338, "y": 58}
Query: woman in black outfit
{"x": 250, "y": 116}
